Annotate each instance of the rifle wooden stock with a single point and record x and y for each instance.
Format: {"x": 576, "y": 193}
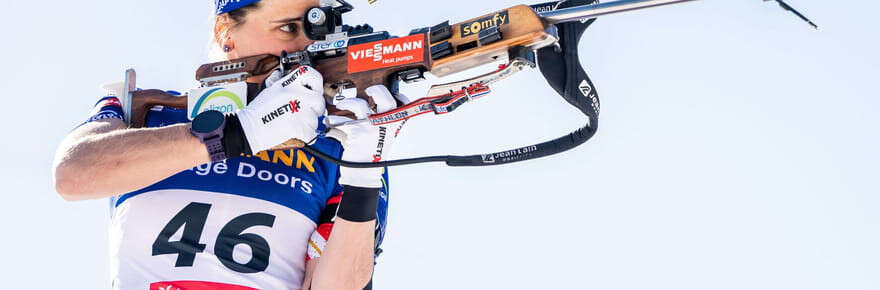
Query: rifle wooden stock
{"x": 522, "y": 28}
{"x": 142, "y": 101}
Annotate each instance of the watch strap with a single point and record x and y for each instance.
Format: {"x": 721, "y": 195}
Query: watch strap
{"x": 215, "y": 148}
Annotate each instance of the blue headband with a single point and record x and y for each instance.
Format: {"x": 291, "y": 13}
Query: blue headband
{"x": 224, "y": 6}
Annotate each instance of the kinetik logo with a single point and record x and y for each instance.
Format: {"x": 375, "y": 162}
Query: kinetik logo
{"x": 296, "y": 74}
{"x": 381, "y": 144}
{"x": 386, "y": 53}
{"x": 474, "y": 27}
{"x": 291, "y": 107}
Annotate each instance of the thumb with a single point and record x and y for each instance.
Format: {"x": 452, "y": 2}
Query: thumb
{"x": 273, "y": 77}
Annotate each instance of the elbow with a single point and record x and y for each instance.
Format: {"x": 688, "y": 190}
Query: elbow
{"x": 71, "y": 181}
{"x": 66, "y": 184}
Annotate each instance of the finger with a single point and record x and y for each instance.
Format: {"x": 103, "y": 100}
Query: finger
{"x": 337, "y": 134}
{"x": 353, "y": 132}
{"x": 304, "y": 99}
{"x": 334, "y": 120}
{"x": 307, "y": 77}
{"x": 359, "y": 107}
{"x": 273, "y": 77}
{"x": 404, "y": 99}
{"x": 382, "y": 97}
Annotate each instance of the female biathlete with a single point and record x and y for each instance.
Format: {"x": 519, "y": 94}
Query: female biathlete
{"x": 208, "y": 205}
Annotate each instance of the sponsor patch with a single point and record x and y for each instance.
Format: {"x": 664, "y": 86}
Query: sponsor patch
{"x": 292, "y": 107}
{"x": 225, "y": 99}
{"x": 380, "y": 145}
{"x": 328, "y": 45}
{"x": 295, "y": 75}
{"x": 587, "y": 91}
{"x": 474, "y": 27}
{"x": 196, "y": 285}
{"x": 386, "y": 53}
{"x": 585, "y": 88}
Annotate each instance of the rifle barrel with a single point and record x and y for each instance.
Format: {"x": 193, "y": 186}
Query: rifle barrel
{"x": 590, "y": 11}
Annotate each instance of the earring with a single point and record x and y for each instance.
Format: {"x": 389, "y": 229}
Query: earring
{"x": 226, "y": 48}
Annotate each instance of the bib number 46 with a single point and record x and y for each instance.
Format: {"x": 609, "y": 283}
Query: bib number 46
{"x": 192, "y": 219}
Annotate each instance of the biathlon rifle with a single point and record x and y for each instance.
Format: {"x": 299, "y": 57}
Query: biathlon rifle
{"x": 353, "y": 58}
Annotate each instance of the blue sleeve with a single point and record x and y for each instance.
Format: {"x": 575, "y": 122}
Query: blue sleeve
{"x": 107, "y": 107}
{"x": 382, "y": 212}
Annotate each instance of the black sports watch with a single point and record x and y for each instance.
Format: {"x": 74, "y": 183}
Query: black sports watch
{"x": 208, "y": 127}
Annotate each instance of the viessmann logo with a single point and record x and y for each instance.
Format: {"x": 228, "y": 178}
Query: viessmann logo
{"x": 474, "y": 27}
{"x": 386, "y": 53}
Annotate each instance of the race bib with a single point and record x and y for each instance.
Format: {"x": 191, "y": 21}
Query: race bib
{"x": 185, "y": 239}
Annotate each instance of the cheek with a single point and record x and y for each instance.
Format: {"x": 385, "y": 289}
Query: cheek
{"x": 276, "y": 43}
{"x": 251, "y": 41}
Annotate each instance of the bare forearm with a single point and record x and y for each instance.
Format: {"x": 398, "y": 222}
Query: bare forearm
{"x": 105, "y": 162}
{"x": 347, "y": 262}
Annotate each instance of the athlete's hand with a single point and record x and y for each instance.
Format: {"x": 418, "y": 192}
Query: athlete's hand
{"x": 287, "y": 109}
{"x": 364, "y": 142}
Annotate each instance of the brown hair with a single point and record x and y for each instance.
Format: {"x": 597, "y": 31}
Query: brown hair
{"x": 239, "y": 14}
{"x": 228, "y": 20}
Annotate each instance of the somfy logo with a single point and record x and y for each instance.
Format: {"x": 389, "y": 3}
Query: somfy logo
{"x": 474, "y": 27}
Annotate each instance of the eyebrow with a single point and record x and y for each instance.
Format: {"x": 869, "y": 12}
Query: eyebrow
{"x": 288, "y": 20}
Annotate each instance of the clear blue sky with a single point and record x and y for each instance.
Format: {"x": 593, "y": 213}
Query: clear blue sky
{"x": 737, "y": 150}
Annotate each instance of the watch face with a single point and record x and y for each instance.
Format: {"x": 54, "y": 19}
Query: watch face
{"x": 208, "y": 121}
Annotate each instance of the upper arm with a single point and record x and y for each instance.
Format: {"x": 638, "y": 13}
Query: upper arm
{"x": 106, "y": 116}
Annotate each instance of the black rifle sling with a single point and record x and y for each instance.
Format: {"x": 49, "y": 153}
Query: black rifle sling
{"x": 562, "y": 69}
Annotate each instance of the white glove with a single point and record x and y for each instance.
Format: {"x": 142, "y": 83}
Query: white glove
{"x": 287, "y": 109}
{"x": 364, "y": 142}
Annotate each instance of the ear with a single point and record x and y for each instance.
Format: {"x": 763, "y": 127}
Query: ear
{"x": 222, "y": 25}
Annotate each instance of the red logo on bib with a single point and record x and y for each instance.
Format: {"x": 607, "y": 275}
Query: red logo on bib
{"x": 386, "y": 53}
{"x": 195, "y": 285}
